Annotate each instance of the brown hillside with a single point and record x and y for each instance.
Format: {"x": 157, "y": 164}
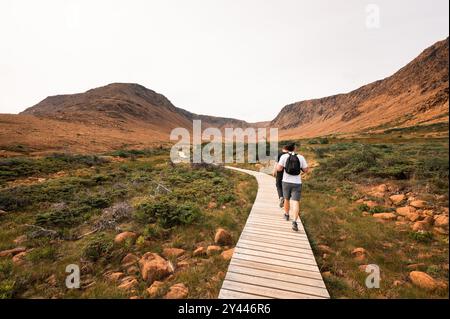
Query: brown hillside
{"x": 417, "y": 93}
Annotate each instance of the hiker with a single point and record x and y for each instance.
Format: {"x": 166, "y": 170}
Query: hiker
{"x": 279, "y": 177}
{"x": 293, "y": 165}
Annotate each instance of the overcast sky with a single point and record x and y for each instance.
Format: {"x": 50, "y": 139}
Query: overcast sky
{"x": 236, "y": 58}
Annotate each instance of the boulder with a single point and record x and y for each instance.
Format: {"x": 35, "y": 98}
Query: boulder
{"x": 359, "y": 254}
{"x": 212, "y": 205}
{"x": 413, "y": 217}
{"x": 371, "y": 204}
{"x": 173, "y": 252}
{"x": 379, "y": 191}
{"x": 420, "y": 226}
{"x": 2, "y": 213}
{"x": 154, "y": 267}
{"x": 120, "y": 238}
{"x": 129, "y": 260}
{"x": 211, "y": 250}
{"x": 227, "y": 254}
{"x": 132, "y": 270}
{"x": 114, "y": 276}
{"x": 183, "y": 264}
{"x": 19, "y": 259}
{"x": 441, "y": 221}
{"x": 223, "y": 237}
{"x": 177, "y": 291}
{"x": 128, "y": 283}
{"x": 12, "y": 252}
{"x": 397, "y": 199}
{"x": 385, "y": 216}
{"x": 200, "y": 251}
{"x": 418, "y": 204}
{"x": 423, "y": 280}
{"x": 358, "y": 251}
{"x": 155, "y": 288}
{"x": 404, "y": 211}
{"x": 428, "y": 212}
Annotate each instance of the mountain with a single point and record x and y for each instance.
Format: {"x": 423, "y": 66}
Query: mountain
{"x": 124, "y": 115}
{"x": 416, "y": 94}
{"x": 118, "y": 105}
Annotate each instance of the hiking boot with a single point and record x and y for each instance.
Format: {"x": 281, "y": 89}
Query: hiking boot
{"x": 294, "y": 226}
{"x": 286, "y": 216}
{"x": 281, "y": 202}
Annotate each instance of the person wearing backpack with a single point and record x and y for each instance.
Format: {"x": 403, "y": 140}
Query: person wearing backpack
{"x": 293, "y": 165}
{"x": 279, "y": 177}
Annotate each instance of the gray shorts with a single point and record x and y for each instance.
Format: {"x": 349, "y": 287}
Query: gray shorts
{"x": 292, "y": 191}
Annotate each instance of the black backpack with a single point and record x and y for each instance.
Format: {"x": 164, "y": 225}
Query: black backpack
{"x": 293, "y": 166}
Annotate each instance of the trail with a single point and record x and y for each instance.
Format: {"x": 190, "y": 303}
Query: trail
{"x": 270, "y": 259}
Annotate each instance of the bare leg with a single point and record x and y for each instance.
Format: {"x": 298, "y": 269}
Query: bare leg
{"x": 296, "y": 209}
{"x": 286, "y": 206}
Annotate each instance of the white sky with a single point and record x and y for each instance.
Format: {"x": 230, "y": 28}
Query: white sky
{"x": 236, "y": 58}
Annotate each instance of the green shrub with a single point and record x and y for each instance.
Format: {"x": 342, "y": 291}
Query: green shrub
{"x": 7, "y": 288}
{"x": 167, "y": 213}
{"x": 64, "y": 218}
{"x": 42, "y": 253}
{"x": 422, "y": 237}
{"x": 97, "y": 247}
{"x": 225, "y": 198}
{"x": 6, "y": 267}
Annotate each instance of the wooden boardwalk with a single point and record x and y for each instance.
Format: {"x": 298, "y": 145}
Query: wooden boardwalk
{"x": 270, "y": 259}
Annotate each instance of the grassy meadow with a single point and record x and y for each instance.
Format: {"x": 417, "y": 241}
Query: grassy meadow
{"x": 351, "y": 181}
{"x": 68, "y": 209}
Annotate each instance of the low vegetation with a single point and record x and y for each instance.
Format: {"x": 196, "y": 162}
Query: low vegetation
{"x": 72, "y": 208}
{"x": 346, "y": 199}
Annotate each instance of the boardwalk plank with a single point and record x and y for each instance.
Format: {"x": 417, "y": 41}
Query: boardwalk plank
{"x": 270, "y": 259}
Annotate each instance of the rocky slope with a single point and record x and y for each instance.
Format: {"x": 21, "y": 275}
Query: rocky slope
{"x": 416, "y": 94}
{"x": 117, "y": 104}
{"x": 130, "y": 115}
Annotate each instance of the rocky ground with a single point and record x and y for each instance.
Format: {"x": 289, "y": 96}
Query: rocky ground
{"x": 137, "y": 226}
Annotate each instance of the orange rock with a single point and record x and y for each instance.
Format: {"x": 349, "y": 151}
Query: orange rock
{"x": 128, "y": 283}
{"x": 423, "y": 280}
{"x": 12, "y": 252}
{"x": 177, "y": 291}
{"x": 120, "y": 238}
{"x": 173, "y": 252}
{"x": 114, "y": 276}
{"x": 441, "y": 221}
{"x": 227, "y": 254}
{"x": 154, "y": 267}
{"x": 223, "y": 237}
{"x": 397, "y": 199}
{"x": 155, "y": 288}
{"x": 385, "y": 216}
{"x": 129, "y": 259}
{"x": 211, "y": 250}
{"x": 200, "y": 251}
{"x": 404, "y": 211}
{"x": 418, "y": 204}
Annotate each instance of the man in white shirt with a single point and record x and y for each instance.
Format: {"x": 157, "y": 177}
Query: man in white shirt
{"x": 292, "y": 164}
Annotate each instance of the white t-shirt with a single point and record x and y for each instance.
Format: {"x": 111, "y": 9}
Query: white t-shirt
{"x": 295, "y": 179}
